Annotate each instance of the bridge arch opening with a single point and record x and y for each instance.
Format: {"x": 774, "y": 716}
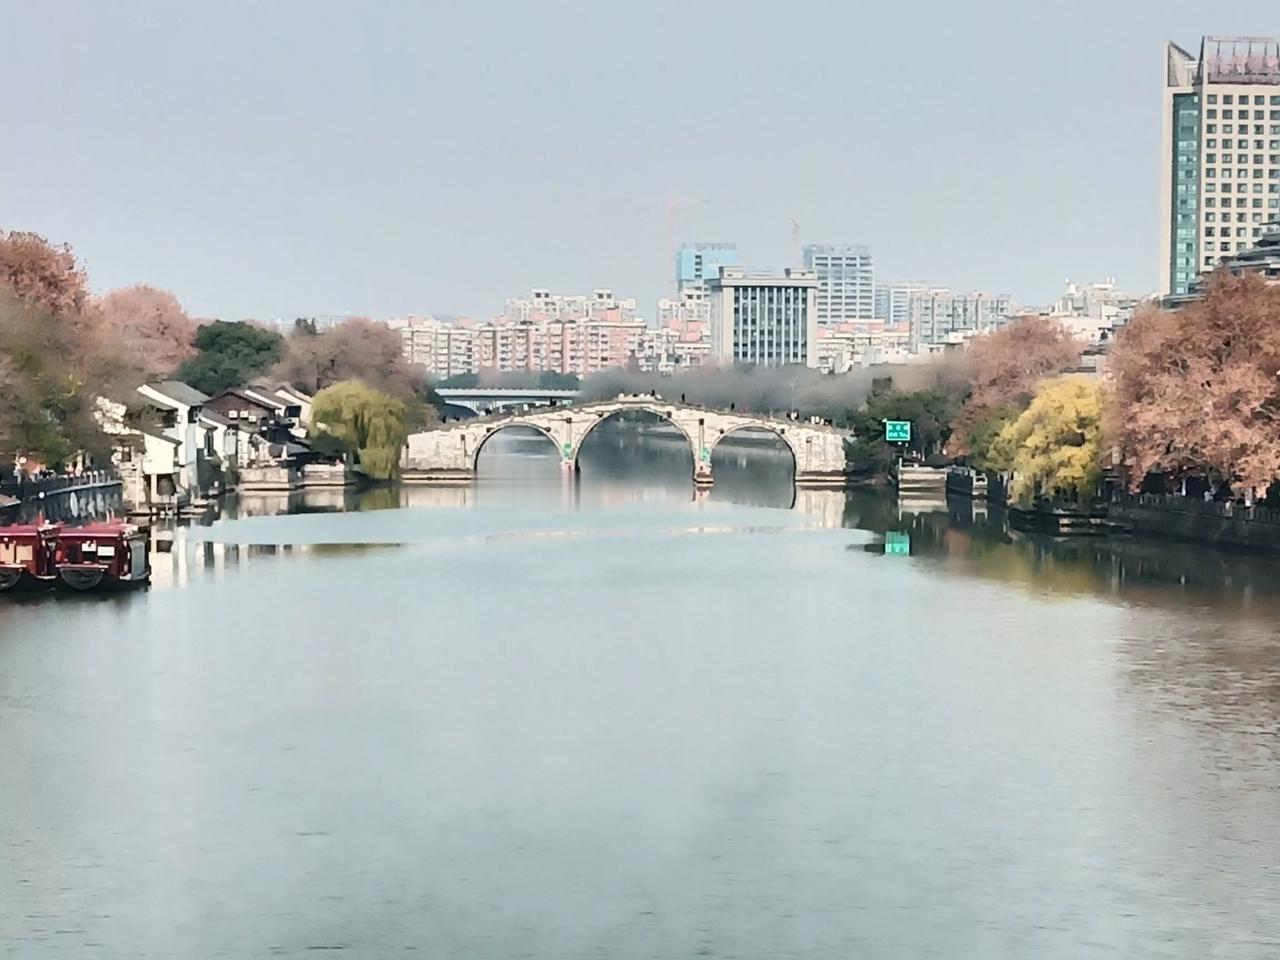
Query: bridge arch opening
{"x": 639, "y": 443}
{"x": 754, "y": 464}
{"x": 517, "y": 451}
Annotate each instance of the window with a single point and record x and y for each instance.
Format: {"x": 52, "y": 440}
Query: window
{"x": 1211, "y": 127}
{"x": 1210, "y": 158}
{"x": 1228, "y": 114}
{"x": 1259, "y": 114}
{"x": 1257, "y": 188}
{"x": 1211, "y": 202}
{"x": 1259, "y": 100}
{"x": 1228, "y": 98}
{"x": 1275, "y": 101}
{"x": 1225, "y": 247}
{"x": 1213, "y": 98}
{"x": 1212, "y": 144}
{"x": 1242, "y": 158}
{"x": 1210, "y": 217}
{"x": 1211, "y": 114}
{"x": 1242, "y": 231}
{"x": 1210, "y": 172}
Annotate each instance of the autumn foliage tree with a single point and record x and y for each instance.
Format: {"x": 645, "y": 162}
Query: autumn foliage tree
{"x": 1007, "y": 366}
{"x": 1197, "y": 391}
{"x": 356, "y": 349}
{"x": 149, "y": 327}
{"x": 1054, "y": 447}
{"x": 48, "y": 352}
{"x": 41, "y": 274}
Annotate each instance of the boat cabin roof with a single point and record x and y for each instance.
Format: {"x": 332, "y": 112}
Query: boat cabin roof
{"x": 29, "y": 530}
{"x": 99, "y": 531}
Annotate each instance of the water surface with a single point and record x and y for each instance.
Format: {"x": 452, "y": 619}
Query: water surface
{"x": 609, "y": 718}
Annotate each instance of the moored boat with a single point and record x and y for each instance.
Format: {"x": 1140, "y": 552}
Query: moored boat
{"x": 27, "y": 556}
{"x": 107, "y": 556}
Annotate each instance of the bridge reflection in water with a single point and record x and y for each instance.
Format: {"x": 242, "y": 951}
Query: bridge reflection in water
{"x": 958, "y": 537}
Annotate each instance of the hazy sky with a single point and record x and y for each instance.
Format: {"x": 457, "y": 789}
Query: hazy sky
{"x": 279, "y": 159}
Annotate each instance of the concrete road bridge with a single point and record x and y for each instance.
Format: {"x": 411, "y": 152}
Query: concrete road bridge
{"x": 485, "y": 399}
{"x": 450, "y": 453}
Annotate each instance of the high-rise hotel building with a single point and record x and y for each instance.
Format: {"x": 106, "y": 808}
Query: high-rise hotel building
{"x": 1221, "y": 155}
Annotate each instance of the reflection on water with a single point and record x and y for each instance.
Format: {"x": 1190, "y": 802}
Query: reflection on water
{"x": 955, "y": 537}
{"x": 599, "y": 715}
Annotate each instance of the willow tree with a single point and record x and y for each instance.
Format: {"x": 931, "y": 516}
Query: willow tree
{"x": 1054, "y": 447}
{"x": 371, "y": 427}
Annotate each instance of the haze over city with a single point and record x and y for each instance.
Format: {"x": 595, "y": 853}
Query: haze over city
{"x": 316, "y": 158}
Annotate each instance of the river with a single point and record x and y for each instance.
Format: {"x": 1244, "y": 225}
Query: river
{"x": 612, "y": 719}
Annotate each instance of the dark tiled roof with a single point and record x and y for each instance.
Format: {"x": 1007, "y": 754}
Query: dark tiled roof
{"x": 214, "y": 417}
{"x": 179, "y": 391}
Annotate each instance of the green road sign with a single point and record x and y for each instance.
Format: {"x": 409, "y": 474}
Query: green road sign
{"x": 897, "y": 431}
{"x": 897, "y": 543}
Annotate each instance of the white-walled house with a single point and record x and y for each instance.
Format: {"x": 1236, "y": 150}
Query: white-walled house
{"x": 180, "y": 406}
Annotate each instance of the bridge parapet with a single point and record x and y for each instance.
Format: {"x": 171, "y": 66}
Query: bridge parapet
{"x": 450, "y": 453}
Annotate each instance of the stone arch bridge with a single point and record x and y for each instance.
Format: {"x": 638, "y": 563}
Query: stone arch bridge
{"x": 451, "y": 452}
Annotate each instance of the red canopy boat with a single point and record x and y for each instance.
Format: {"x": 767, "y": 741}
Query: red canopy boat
{"x": 108, "y": 555}
{"x": 27, "y": 556}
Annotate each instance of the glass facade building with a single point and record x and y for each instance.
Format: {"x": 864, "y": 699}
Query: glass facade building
{"x": 1221, "y": 155}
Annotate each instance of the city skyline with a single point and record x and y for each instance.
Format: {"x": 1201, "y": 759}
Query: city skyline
{"x": 259, "y": 182}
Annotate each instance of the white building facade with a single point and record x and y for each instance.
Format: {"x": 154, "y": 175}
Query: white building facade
{"x": 769, "y": 320}
{"x": 846, "y": 282}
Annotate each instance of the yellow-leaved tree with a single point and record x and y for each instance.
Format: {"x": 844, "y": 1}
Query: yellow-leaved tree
{"x": 1054, "y": 446}
{"x": 367, "y": 425}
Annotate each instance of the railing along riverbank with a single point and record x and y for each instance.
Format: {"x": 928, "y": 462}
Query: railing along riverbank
{"x": 1186, "y": 518}
{"x": 27, "y": 489}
